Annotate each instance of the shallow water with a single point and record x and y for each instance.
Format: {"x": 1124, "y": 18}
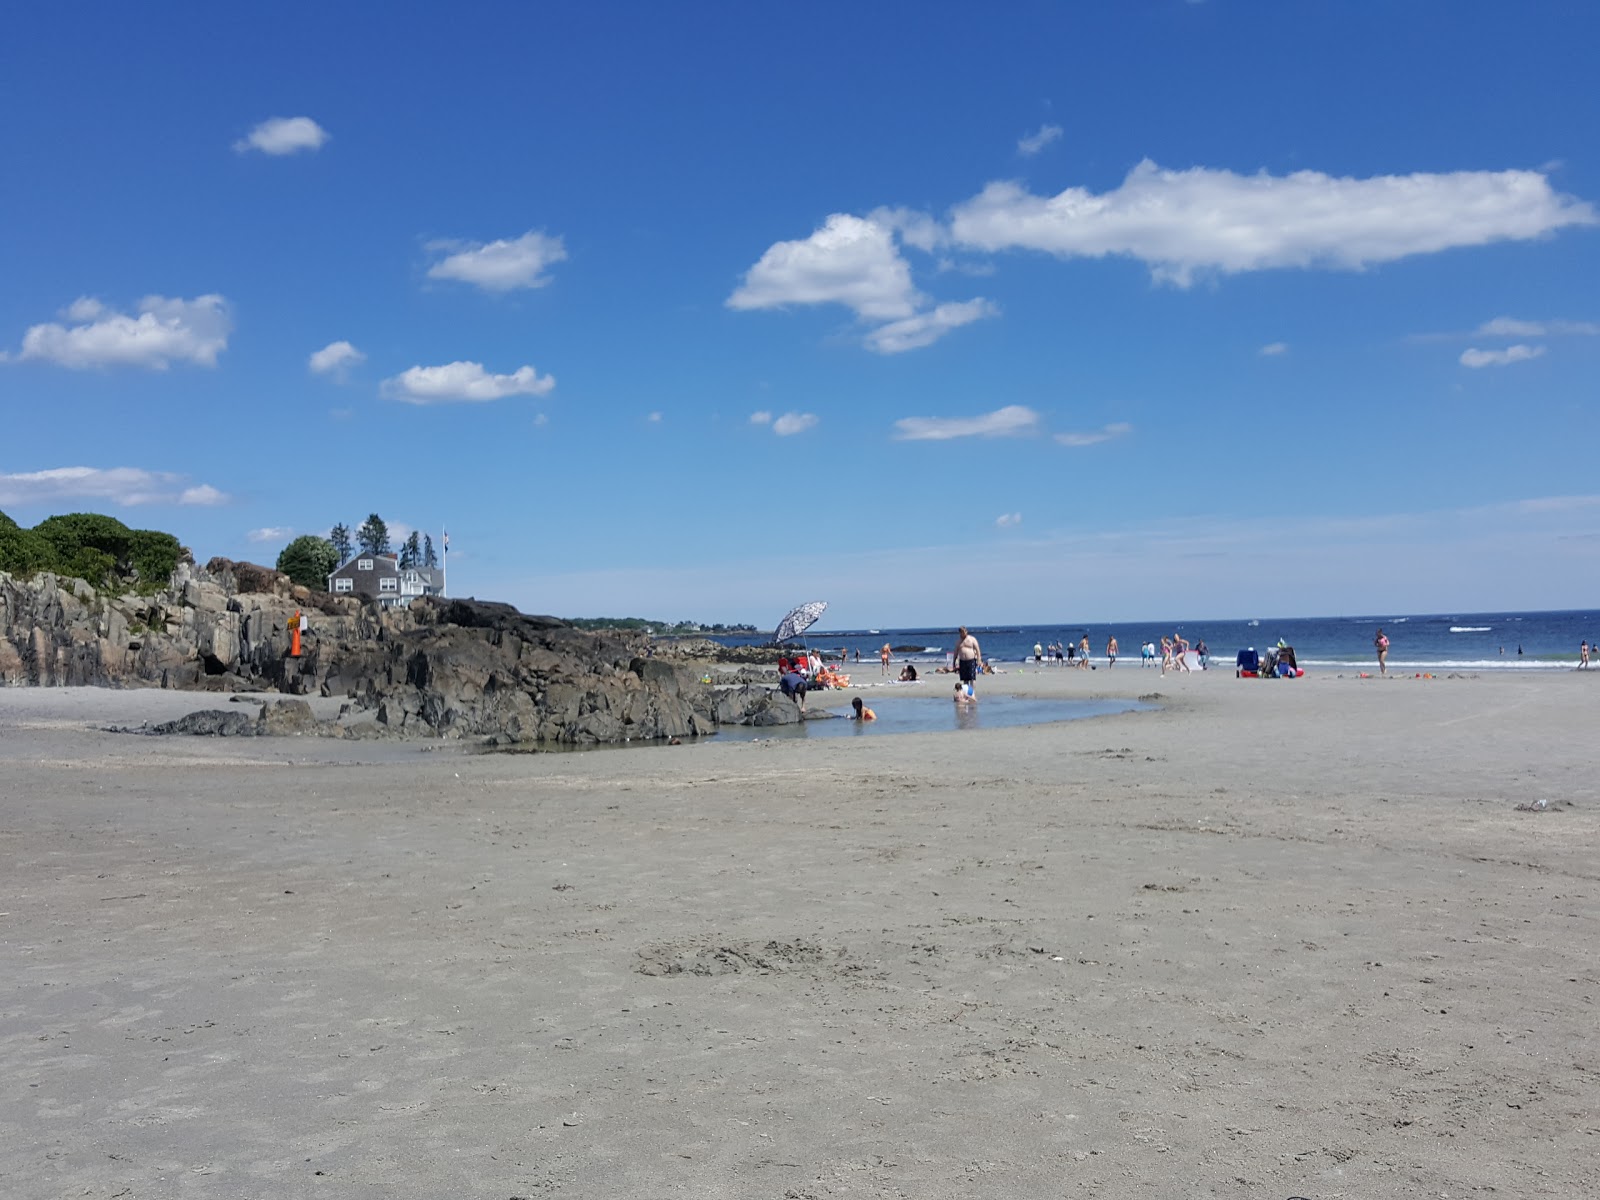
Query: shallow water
{"x": 930, "y": 714}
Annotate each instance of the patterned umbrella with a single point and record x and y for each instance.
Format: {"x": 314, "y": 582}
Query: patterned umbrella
{"x": 798, "y": 621}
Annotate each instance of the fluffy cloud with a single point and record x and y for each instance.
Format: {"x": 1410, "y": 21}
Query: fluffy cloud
{"x": 792, "y": 422}
{"x": 1008, "y": 520}
{"x": 1273, "y": 349}
{"x": 128, "y": 486}
{"x": 272, "y": 533}
{"x": 761, "y": 418}
{"x": 464, "y": 381}
{"x": 923, "y": 329}
{"x": 499, "y": 266}
{"x": 1035, "y": 142}
{"x": 855, "y": 261}
{"x": 1512, "y": 327}
{"x": 283, "y": 135}
{"x": 1094, "y": 437}
{"x": 1014, "y": 420}
{"x": 335, "y": 358}
{"x": 1500, "y": 358}
{"x": 1185, "y": 222}
{"x": 164, "y": 331}
{"x": 851, "y": 261}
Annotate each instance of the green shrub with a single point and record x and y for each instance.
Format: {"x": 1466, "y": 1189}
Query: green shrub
{"x": 308, "y": 560}
{"x": 153, "y": 555}
{"x": 23, "y": 552}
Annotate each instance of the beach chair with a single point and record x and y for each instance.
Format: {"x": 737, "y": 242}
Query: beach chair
{"x": 1287, "y": 667}
{"x": 1247, "y": 665}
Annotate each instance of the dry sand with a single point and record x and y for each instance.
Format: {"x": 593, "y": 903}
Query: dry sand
{"x": 1275, "y": 939}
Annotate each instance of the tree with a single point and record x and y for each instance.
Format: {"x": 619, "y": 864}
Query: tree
{"x": 339, "y": 539}
{"x": 308, "y": 560}
{"x": 429, "y": 558}
{"x": 411, "y": 551}
{"x": 373, "y": 536}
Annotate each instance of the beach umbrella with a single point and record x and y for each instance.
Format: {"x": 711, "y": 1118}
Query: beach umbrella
{"x": 798, "y": 621}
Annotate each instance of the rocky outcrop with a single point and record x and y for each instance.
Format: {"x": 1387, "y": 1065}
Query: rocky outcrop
{"x": 221, "y": 627}
{"x": 444, "y": 668}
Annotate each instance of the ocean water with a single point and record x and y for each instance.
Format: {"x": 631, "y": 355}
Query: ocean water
{"x": 1525, "y": 641}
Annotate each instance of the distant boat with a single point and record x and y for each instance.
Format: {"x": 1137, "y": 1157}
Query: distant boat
{"x": 872, "y": 631}
{"x": 1253, "y": 624}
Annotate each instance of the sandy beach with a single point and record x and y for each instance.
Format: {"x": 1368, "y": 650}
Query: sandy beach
{"x": 1272, "y": 939}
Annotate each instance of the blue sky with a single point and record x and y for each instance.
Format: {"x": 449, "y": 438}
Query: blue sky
{"x": 1075, "y": 312}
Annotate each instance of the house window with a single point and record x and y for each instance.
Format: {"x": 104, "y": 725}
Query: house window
{"x": 344, "y": 585}
{"x": 388, "y": 585}
{"x": 364, "y": 564}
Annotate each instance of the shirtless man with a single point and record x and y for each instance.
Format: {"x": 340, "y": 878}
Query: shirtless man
{"x": 969, "y": 658}
{"x": 1111, "y": 650}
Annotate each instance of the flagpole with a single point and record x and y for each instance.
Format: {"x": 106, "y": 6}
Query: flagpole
{"x": 444, "y": 563}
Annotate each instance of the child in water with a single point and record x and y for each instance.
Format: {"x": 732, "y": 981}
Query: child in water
{"x": 863, "y": 713}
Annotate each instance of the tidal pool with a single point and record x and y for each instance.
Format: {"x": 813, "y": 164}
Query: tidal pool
{"x": 928, "y": 714}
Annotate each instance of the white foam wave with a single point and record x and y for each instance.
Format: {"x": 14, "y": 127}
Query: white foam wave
{"x": 1470, "y": 628}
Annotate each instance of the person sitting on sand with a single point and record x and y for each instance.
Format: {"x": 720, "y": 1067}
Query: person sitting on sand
{"x": 862, "y": 713}
{"x": 908, "y": 674}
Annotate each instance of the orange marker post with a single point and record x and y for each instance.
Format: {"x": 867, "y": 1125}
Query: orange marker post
{"x": 294, "y": 635}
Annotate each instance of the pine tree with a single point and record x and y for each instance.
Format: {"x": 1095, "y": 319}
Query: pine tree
{"x": 429, "y": 558}
{"x": 373, "y": 536}
{"x": 411, "y": 551}
{"x": 339, "y": 535}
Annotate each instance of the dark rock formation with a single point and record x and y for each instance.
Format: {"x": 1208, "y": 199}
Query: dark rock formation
{"x": 443, "y": 667}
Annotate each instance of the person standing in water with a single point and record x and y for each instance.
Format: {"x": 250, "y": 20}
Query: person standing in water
{"x": 883, "y": 658}
{"x": 1381, "y": 643}
{"x": 969, "y": 659}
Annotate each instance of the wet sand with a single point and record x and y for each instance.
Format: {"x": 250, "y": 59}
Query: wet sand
{"x": 1273, "y": 939}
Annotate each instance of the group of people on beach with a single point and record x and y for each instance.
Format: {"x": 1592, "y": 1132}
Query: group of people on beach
{"x": 1071, "y": 654}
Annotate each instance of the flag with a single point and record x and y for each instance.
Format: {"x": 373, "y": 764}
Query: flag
{"x": 447, "y": 541}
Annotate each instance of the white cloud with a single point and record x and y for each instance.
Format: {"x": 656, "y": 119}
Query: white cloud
{"x": 793, "y": 422}
{"x": 499, "y": 266}
{"x": 1500, "y": 358}
{"x": 1273, "y": 349}
{"x": 654, "y": 418}
{"x": 464, "y": 381}
{"x": 1008, "y": 520}
{"x": 283, "y": 135}
{"x": 1014, "y": 420}
{"x": 1512, "y": 327}
{"x": 272, "y": 533}
{"x": 164, "y": 332}
{"x": 761, "y": 418}
{"x": 850, "y": 261}
{"x": 1035, "y": 142}
{"x": 1094, "y": 437}
{"x": 204, "y": 495}
{"x": 915, "y": 228}
{"x": 335, "y": 358}
{"x": 1185, "y": 222}
{"x": 128, "y": 486}
{"x": 923, "y": 329}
